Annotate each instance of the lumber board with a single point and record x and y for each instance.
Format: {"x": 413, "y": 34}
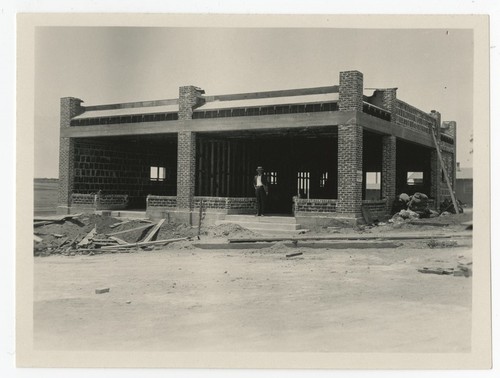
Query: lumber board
{"x": 130, "y": 230}
{"x": 141, "y": 244}
{"x": 118, "y": 240}
{"x": 153, "y": 232}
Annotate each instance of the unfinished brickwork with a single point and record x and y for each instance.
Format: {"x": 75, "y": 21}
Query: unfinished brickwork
{"x": 318, "y": 141}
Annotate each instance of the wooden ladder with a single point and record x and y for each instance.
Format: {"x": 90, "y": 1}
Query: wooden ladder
{"x": 440, "y": 157}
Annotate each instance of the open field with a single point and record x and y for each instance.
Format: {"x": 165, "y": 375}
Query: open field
{"x": 45, "y": 196}
{"x": 180, "y": 298}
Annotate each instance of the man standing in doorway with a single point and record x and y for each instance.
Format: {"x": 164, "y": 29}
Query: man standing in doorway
{"x": 261, "y": 186}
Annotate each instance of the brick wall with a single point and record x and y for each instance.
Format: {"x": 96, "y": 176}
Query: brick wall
{"x": 350, "y": 167}
{"x": 389, "y": 169}
{"x": 102, "y": 202}
{"x": 229, "y": 205}
{"x": 323, "y": 206}
{"x": 413, "y": 118}
{"x": 69, "y": 107}
{"x": 168, "y": 202}
{"x": 351, "y": 91}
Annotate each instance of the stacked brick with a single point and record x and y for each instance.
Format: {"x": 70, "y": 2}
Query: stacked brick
{"x": 186, "y": 166}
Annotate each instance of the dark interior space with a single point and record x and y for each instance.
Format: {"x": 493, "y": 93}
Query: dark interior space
{"x": 136, "y": 166}
{"x": 413, "y": 168}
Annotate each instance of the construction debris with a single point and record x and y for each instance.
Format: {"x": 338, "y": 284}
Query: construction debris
{"x": 102, "y": 291}
{"x": 92, "y": 234}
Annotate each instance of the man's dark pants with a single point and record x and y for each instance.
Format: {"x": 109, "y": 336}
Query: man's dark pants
{"x": 260, "y": 193}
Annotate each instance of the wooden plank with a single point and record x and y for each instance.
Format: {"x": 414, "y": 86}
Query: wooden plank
{"x": 86, "y": 240}
{"x": 141, "y": 244}
{"x": 118, "y": 240}
{"x": 153, "y": 232}
{"x": 37, "y": 239}
{"x": 130, "y": 230}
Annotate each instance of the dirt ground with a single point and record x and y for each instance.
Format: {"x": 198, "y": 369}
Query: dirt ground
{"x": 180, "y": 298}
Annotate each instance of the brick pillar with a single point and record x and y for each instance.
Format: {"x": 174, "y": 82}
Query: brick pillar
{"x": 186, "y": 165}
{"x": 351, "y": 91}
{"x": 350, "y": 147}
{"x": 435, "y": 164}
{"x": 350, "y": 170}
{"x": 189, "y": 98}
{"x": 389, "y": 169}
{"x": 70, "y": 107}
{"x": 453, "y": 129}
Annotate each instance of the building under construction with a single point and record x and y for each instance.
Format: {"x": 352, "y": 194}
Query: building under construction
{"x": 327, "y": 152}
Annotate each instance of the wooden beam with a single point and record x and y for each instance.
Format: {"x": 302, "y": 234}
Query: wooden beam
{"x": 153, "y": 232}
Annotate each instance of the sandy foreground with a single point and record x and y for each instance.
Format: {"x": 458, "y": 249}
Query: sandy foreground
{"x": 182, "y": 298}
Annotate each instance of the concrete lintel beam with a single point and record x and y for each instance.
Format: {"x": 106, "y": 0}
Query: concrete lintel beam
{"x": 269, "y": 122}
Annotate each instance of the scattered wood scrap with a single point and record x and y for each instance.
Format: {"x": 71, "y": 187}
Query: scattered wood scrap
{"x": 118, "y": 240}
{"x": 153, "y": 232}
{"x": 141, "y": 244}
{"x": 37, "y": 239}
{"x": 294, "y": 254}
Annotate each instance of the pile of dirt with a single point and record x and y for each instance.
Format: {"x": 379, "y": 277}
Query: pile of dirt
{"x": 94, "y": 233}
{"x": 228, "y": 230}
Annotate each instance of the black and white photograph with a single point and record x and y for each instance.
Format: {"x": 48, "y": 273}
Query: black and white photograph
{"x": 243, "y": 191}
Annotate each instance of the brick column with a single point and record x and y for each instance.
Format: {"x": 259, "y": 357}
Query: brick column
{"x": 350, "y": 147}
{"x": 351, "y": 91}
{"x": 389, "y": 169}
{"x": 189, "y": 98}
{"x": 350, "y": 170}
{"x": 70, "y": 107}
{"x": 186, "y": 165}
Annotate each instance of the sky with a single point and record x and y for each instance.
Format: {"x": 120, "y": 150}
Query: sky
{"x": 432, "y": 68}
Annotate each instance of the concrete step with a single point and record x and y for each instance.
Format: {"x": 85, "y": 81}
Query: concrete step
{"x": 256, "y": 225}
{"x": 264, "y": 219}
{"x": 279, "y": 233}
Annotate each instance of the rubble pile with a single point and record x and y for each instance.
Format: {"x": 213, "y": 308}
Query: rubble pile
{"x": 95, "y": 234}
{"x": 409, "y": 208}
